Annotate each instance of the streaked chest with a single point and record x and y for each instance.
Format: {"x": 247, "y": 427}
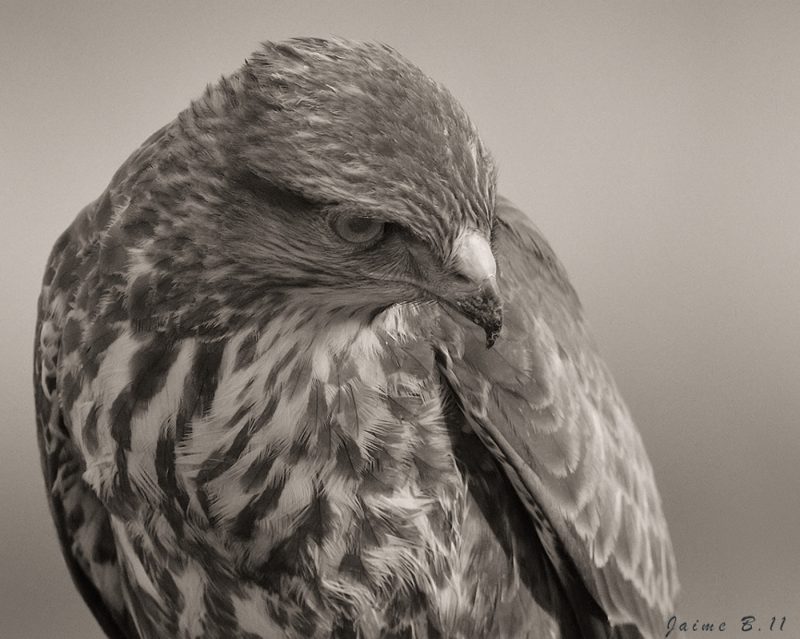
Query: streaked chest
{"x": 313, "y": 462}
{"x": 320, "y": 434}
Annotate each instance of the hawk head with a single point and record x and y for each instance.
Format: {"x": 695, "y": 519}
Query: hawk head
{"x": 323, "y": 170}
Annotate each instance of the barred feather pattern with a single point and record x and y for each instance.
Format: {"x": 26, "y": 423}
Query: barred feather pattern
{"x": 293, "y": 479}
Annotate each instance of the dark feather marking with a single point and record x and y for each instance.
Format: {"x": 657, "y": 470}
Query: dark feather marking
{"x": 266, "y": 415}
{"x": 290, "y": 555}
{"x": 246, "y": 352}
{"x": 122, "y": 500}
{"x": 221, "y": 459}
{"x": 205, "y": 371}
{"x": 89, "y": 430}
{"x": 140, "y": 224}
{"x": 352, "y": 565}
{"x": 71, "y": 336}
{"x": 150, "y": 366}
{"x": 71, "y": 386}
{"x": 317, "y": 406}
{"x": 219, "y": 608}
{"x": 433, "y": 631}
{"x": 305, "y": 621}
{"x": 120, "y": 415}
{"x": 357, "y": 425}
{"x": 317, "y": 521}
{"x": 140, "y": 305}
{"x": 243, "y": 411}
{"x": 165, "y": 462}
{"x": 50, "y": 383}
{"x": 204, "y": 499}
{"x": 199, "y": 387}
{"x": 368, "y": 534}
{"x": 290, "y": 355}
{"x": 76, "y": 517}
{"x": 114, "y": 254}
{"x": 150, "y": 616}
{"x": 344, "y": 626}
{"x": 104, "y": 550}
{"x": 167, "y": 481}
{"x": 257, "y": 472}
{"x": 299, "y": 376}
{"x": 258, "y": 508}
{"x": 245, "y": 390}
{"x": 114, "y": 312}
{"x": 169, "y": 590}
{"x": 299, "y": 448}
{"x": 348, "y": 454}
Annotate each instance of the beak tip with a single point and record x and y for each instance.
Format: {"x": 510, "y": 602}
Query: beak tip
{"x": 483, "y": 304}
{"x": 485, "y": 310}
{"x": 492, "y": 328}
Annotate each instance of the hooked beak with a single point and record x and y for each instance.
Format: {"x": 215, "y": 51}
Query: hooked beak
{"x": 479, "y": 301}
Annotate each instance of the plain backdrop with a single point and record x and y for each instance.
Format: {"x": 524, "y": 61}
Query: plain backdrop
{"x": 657, "y": 144}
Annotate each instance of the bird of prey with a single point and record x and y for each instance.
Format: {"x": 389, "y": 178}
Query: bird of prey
{"x": 300, "y": 373}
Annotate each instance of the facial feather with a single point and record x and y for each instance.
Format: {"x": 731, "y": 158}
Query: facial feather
{"x": 226, "y": 211}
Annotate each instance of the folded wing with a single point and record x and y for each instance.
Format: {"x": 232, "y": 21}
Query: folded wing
{"x": 544, "y": 403}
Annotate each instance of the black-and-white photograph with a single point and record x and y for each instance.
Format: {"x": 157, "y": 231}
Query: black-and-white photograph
{"x": 400, "y": 320}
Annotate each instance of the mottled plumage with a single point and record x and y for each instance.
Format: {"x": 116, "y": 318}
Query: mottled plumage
{"x": 263, "y": 404}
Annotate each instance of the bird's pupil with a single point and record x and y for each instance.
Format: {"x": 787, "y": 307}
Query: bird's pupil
{"x": 360, "y": 225}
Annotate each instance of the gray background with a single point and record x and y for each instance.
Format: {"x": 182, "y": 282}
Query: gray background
{"x": 657, "y": 145}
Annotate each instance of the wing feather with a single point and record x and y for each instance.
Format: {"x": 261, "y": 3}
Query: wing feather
{"x": 81, "y": 521}
{"x": 544, "y": 402}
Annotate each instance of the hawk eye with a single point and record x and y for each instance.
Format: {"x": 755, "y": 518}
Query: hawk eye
{"x": 358, "y": 229}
